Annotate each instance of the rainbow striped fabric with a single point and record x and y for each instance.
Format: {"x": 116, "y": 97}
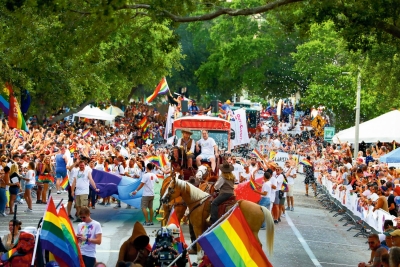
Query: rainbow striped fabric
{"x": 59, "y": 238}
{"x": 5, "y": 100}
{"x": 154, "y": 159}
{"x": 142, "y": 122}
{"x": 306, "y": 162}
{"x": 65, "y": 183}
{"x": 252, "y": 184}
{"x": 45, "y": 178}
{"x": 257, "y": 154}
{"x": 232, "y": 243}
{"x": 9, "y": 254}
{"x": 15, "y": 118}
{"x": 163, "y": 160}
{"x": 86, "y": 133}
{"x": 161, "y": 89}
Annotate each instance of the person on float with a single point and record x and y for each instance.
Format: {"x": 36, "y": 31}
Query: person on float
{"x": 209, "y": 150}
{"x": 188, "y": 145}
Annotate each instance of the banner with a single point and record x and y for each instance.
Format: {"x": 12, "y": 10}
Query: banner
{"x": 168, "y": 125}
{"x": 240, "y": 128}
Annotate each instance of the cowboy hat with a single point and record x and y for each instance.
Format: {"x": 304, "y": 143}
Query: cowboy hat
{"x": 226, "y": 167}
{"x": 187, "y": 131}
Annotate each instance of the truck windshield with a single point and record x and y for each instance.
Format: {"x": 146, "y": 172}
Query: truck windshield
{"x": 220, "y": 137}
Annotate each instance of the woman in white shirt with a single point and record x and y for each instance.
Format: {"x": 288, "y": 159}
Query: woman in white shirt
{"x": 30, "y": 178}
{"x": 265, "y": 193}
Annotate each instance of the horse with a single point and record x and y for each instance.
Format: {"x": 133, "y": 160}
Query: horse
{"x": 199, "y": 204}
{"x": 206, "y": 179}
{"x": 178, "y": 204}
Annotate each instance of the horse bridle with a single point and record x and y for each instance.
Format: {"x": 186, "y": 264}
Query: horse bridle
{"x": 171, "y": 190}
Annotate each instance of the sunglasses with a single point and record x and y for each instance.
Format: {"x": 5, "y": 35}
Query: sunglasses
{"x": 83, "y": 217}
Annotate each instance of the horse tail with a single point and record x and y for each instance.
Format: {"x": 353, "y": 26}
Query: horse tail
{"x": 269, "y": 229}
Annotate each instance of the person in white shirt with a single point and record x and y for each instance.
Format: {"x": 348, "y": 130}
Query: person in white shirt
{"x": 147, "y": 184}
{"x": 265, "y": 193}
{"x": 209, "y": 150}
{"x": 276, "y": 209}
{"x": 245, "y": 175}
{"x": 237, "y": 170}
{"x": 30, "y": 179}
{"x": 80, "y": 187}
{"x": 290, "y": 173}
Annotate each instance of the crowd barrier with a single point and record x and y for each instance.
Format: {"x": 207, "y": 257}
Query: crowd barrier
{"x": 374, "y": 219}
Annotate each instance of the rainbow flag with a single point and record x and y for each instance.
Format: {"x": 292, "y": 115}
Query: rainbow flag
{"x": 258, "y": 154}
{"x": 53, "y": 239}
{"x": 306, "y": 162}
{"x": 5, "y": 100}
{"x": 252, "y": 184}
{"x": 86, "y": 133}
{"x": 9, "y": 254}
{"x": 173, "y": 219}
{"x": 285, "y": 186}
{"x": 69, "y": 234}
{"x": 65, "y": 183}
{"x": 142, "y": 122}
{"x": 161, "y": 89}
{"x": 163, "y": 160}
{"x": 243, "y": 161}
{"x": 232, "y": 243}
{"x": 72, "y": 148}
{"x": 15, "y": 118}
{"x": 154, "y": 159}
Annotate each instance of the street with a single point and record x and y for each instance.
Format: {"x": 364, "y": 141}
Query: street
{"x": 308, "y": 236}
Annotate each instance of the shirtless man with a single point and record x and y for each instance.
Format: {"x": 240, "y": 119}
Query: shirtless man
{"x": 377, "y": 250}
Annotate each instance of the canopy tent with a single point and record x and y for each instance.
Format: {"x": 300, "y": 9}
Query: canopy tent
{"x": 94, "y": 113}
{"x": 392, "y": 157}
{"x": 384, "y": 128}
{"x": 113, "y": 110}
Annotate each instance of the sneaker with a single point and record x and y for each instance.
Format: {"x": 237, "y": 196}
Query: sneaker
{"x": 38, "y": 202}
{"x": 288, "y": 208}
{"x": 276, "y": 221}
{"x": 128, "y": 207}
{"x": 291, "y": 209}
{"x": 283, "y": 215}
{"x": 150, "y": 223}
{"x": 58, "y": 192}
{"x": 28, "y": 210}
{"x": 144, "y": 223}
{"x": 117, "y": 207}
{"x": 3, "y": 214}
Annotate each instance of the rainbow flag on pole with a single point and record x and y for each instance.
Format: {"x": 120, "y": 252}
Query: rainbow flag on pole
{"x": 161, "y": 89}
{"x": 5, "y": 100}
{"x": 163, "y": 160}
{"x": 154, "y": 159}
{"x": 15, "y": 117}
{"x": 65, "y": 183}
{"x": 306, "y": 162}
{"x": 232, "y": 243}
{"x": 142, "y": 122}
{"x": 258, "y": 154}
{"x": 53, "y": 239}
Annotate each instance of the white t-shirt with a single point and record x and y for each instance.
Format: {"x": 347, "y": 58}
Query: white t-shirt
{"x": 207, "y": 146}
{"x": 148, "y": 180}
{"x": 290, "y": 179}
{"x": 279, "y": 182}
{"x": 266, "y": 187}
{"x": 31, "y": 176}
{"x": 237, "y": 170}
{"x": 99, "y": 167}
{"x": 89, "y": 230}
{"x": 82, "y": 182}
{"x": 246, "y": 176}
{"x": 118, "y": 169}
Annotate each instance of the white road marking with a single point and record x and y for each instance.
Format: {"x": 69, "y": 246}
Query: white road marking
{"x": 339, "y": 244}
{"x": 338, "y": 264}
{"x": 303, "y": 242}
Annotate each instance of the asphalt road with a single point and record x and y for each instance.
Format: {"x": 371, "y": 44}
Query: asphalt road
{"x": 308, "y": 236}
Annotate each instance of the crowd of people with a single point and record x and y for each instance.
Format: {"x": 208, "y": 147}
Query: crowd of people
{"x": 40, "y": 160}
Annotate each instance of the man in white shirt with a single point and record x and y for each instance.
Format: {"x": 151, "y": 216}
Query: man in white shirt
{"x": 290, "y": 173}
{"x": 209, "y": 150}
{"x": 238, "y": 170}
{"x": 147, "y": 184}
{"x": 80, "y": 187}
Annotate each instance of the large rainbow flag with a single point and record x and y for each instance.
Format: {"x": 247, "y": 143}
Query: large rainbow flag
{"x": 257, "y": 154}
{"x": 154, "y": 159}
{"x": 5, "y": 100}
{"x": 53, "y": 239}
{"x": 161, "y": 89}
{"x": 232, "y": 243}
{"x": 15, "y": 118}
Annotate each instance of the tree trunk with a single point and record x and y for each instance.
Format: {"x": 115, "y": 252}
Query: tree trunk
{"x": 71, "y": 111}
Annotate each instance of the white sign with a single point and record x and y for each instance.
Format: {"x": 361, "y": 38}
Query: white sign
{"x": 168, "y": 126}
{"x": 240, "y": 128}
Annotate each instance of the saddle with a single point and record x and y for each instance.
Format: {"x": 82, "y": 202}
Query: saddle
{"x": 226, "y": 205}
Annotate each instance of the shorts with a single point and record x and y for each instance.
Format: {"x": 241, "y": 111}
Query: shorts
{"x": 265, "y": 202}
{"x": 309, "y": 180}
{"x": 81, "y": 200}
{"x": 147, "y": 202}
{"x": 282, "y": 201}
{"x": 14, "y": 190}
{"x": 290, "y": 192}
{"x": 70, "y": 197}
{"x": 277, "y": 200}
{"x": 29, "y": 186}
{"x": 60, "y": 174}
{"x": 206, "y": 156}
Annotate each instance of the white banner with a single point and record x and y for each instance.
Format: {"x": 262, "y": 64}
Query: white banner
{"x": 240, "y": 128}
{"x": 168, "y": 125}
{"x": 375, "y": 219}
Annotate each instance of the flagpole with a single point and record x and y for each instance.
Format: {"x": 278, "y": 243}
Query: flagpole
{"x": 36, "y": 242}
{"x": 223, "y": 218}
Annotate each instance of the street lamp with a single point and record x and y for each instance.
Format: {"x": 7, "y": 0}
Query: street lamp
{"x": 357, "y": 126}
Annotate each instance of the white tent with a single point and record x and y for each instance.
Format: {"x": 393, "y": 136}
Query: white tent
{"x": 94, "y": 113}
{"x": 113, "y": 110}
{"x": 384, "y": 128}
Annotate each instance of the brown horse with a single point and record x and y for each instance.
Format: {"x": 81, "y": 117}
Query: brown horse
{"x": 199, "y": 203}
{"x": 206, "y": 179}
{"x": 178, "y": 204}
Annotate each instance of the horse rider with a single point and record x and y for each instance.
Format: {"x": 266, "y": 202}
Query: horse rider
{"x": 225, "y": 184}
{"x": 187, "y": 144}
{"x": 209, "y": 150}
